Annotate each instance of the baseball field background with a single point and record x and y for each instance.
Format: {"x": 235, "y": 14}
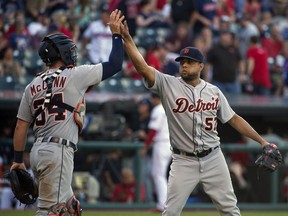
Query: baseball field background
{"x": 147, "y": 213}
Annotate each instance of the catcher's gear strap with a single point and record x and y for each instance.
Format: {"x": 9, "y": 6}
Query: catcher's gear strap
{"x": 73, "y": 206}
{"x": 58, "y": 209}
{"x": 78, "y": 111}
{"x": 49, "y": 82}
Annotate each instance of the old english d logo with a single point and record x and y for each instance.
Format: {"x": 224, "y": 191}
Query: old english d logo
{"x": 186, "y": 51}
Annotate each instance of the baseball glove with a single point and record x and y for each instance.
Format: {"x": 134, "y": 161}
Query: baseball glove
{"x": 23, "y": 186}
{"x": 270, "y": 159}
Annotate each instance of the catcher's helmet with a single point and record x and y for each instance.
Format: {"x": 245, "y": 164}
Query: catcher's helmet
{"x": 58, "y": 47}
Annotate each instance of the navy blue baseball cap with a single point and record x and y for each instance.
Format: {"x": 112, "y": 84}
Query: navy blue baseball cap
{"x": 191, "y": 53}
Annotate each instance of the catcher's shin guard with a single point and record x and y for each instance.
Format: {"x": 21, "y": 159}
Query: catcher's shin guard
{"x": 73, "y": 206}
{"x": 58, "y": 209}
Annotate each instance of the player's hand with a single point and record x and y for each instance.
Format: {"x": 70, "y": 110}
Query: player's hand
{"x": 115, "y": 21}
{"x": 18, "y": 166}
{"x": 125, "y": 30}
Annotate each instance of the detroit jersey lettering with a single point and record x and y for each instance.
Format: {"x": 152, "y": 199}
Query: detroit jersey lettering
{"x": 183, "y": 105}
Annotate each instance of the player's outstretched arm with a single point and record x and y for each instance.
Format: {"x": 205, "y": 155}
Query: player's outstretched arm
{"x": 138, "y": 60}
{"x": 244, "y": 128}
{"x": 116, "y": 57}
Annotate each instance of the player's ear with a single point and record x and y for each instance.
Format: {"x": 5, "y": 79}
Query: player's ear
{"x": 201, "y": 66}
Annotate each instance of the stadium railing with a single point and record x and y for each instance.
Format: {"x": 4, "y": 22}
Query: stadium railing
{"x": 274, "y": 203}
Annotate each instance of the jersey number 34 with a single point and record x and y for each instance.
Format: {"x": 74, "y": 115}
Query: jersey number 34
{"x": 57, "y": 112}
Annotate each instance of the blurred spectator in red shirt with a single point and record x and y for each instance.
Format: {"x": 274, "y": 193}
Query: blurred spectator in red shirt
{"x": 160, "y": 4}
{"x": 274, "y": 44}
{"x": 124, "y": 192}
{"x": 13, "y": 25}
{"x": 257, "y": 67}
{"x": 156, "y": 56}
{"x": 225, "y": 8}
{"x": 130, "y": 70}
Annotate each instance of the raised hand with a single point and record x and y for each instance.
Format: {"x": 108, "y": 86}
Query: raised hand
{"x": 18, "y": 166}
{"x": 115, "y": 21}
{"x": 125, "y": 30}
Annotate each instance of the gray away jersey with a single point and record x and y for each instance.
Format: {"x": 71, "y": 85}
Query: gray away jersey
{"x": 192, "y": 112}
{"x": 69, "y": 87}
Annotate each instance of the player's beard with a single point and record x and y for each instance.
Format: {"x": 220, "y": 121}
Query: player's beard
{"x": 189, "y": 77}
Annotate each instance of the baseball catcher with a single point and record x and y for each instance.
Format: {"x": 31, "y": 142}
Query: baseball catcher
{"x": 23, "y": 186}
{"x": 270, "y": 159}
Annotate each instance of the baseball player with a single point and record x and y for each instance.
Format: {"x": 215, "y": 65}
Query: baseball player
{"x": 158, "y": 135}
{"x": 193, "y": 107}
{"x": 53, "y": 102}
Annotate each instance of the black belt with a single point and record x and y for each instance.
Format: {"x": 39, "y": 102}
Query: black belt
{"x": 194, "y": 154}
{"x": 60, "y": 141}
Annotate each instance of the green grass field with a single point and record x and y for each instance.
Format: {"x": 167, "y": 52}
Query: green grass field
{"x": 146, "y": 213}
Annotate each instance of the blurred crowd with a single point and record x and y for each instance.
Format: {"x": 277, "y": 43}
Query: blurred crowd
{"x": 250, "y": 35}
{"x": 245, "y": 43}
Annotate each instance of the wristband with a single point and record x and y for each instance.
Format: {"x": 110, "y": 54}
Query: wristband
{"x": 18, "y": 156}
{"x": 115, "y": 35}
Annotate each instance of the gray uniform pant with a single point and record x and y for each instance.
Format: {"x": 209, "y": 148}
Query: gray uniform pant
{"x": 212, "y": 172}
{"x": 52, "y": 165}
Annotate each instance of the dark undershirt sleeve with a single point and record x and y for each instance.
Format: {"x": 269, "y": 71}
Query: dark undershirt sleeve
{"x": 116, "y": 57}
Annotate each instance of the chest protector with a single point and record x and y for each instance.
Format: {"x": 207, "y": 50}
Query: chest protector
{"x": 79, "y": 114}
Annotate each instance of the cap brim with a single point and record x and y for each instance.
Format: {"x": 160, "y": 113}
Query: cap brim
{"x": 178, "y": 59}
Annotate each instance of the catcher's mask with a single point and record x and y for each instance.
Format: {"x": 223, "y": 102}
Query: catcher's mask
{"x": 58, "y": 47}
